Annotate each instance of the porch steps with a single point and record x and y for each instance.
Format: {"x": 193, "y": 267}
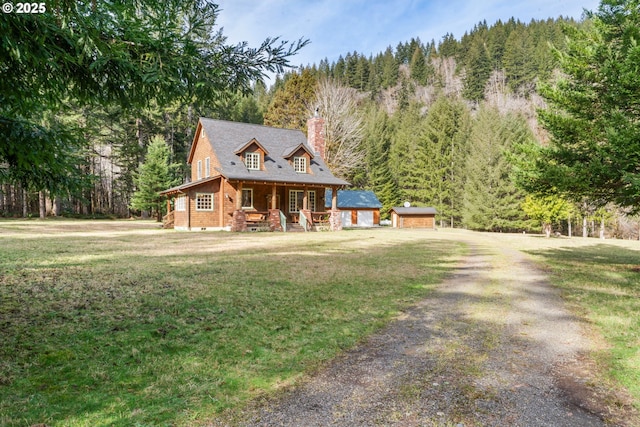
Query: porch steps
{"x": 294, "y": 228}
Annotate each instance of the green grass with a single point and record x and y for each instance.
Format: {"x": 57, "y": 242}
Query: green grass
{"x": 122, "y": 324}
{"x": 602, "y": 282}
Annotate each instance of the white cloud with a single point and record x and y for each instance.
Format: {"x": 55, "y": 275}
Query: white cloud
{"x": 336, "y": 27}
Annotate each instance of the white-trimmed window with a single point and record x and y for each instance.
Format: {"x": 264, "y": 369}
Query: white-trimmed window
{"x": 252, "y": 161}
{"x": 204, "y": 201}
{"x": 312, "y": 201}
{"x": 296, "y": 200}
{"x": 181, "y": 203}
{"x": 199, "y": 171}
{"x": 247, "y": 198}
{"x": 300, "y": 164}
{"x": 207, "y": 167}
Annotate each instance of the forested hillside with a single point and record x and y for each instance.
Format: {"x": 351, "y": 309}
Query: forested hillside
{"x": 433, "y": 123}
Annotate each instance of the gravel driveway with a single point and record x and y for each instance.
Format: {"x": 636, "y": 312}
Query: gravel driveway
{"x": 493, "y": 346}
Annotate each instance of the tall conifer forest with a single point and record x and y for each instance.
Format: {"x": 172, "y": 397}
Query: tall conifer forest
{"x": 434, "y": 123}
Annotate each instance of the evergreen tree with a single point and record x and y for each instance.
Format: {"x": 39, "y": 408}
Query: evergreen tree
{"x": 390, "y": 72}
{"x": 154, "y": 175}
{"x": 418, "y": 67}
{"x": 593, "y": 113}
{"x": 350, "y": 72}
{"x": 289, "y": 107}
{"x": 377, "y": 139}
{"x": 445, "y": 143}
{"x": 491, "y": 200}
{"x": 518, "y": 62}
{"x": 478, "y": 70}
{"x": 110, "y": 53}
{"x": 362, "y": 73}
{"x": 339, "y": 70}
{"x": 448, "y": 47}
{"x": 407, "y": 158}
{"x": 497, "y": 38}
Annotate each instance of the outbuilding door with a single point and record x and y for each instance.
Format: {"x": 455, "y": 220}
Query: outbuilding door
{"x": 365, "y": 218}
{"x": 346, "y": 218}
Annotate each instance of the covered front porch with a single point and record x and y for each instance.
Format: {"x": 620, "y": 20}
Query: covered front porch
{"x": 282, "y": 207}
{"x": 217, "y": 203}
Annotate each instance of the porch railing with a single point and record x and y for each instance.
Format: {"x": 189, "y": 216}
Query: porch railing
{"x": 168, "y": 220}
{"x": 304, "y": 222}
{"x": 283, "y": 222}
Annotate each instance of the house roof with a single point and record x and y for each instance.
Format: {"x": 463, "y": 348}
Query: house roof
{"x": 180, "y": 188}
{"x": 225, "y": 138}
{"x": 353, "y": 199}
{"x": 414, "y": 210}
{"x": 247, "y": 144}
{"x": 290, "y": 151}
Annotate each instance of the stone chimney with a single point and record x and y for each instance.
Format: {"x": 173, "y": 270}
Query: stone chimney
{"x": 315, "y": 134}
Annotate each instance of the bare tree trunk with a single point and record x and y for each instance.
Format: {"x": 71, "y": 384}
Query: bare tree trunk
{"x": 602, "y": 227}
{"x": 8, "y": 199}
{"x": 569, "y": 222}
{"x": 25, "y": 209}
{"x": 42, "y": 199}
{"x": 584, "y": 227}
{"x": 57, "y": 206}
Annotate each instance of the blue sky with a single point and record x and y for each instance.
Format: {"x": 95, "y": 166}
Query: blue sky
{"x": 336, "y": 27}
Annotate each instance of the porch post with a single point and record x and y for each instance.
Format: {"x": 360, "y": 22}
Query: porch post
{"x": 168, "y": 204}
{"x": 305, "y": 199}
{"x": 221, "y": 209}
{"x": 239, "y": 196}
{"x": 274, "y": 212}
{"x": 334, "y": 198}
{"x": 273, "y": 197}
{"x": 335, "y": 221}
{"x": 239, "y": 217}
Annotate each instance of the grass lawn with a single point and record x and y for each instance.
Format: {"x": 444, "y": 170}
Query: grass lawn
{"x": 120, "y": 323}
{"x": 601, "y": 281}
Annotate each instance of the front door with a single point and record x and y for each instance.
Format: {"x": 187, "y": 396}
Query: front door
{"x": 296, "y": 201}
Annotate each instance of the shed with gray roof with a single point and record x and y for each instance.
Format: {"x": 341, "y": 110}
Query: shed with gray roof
{"x": 413, "y": 217}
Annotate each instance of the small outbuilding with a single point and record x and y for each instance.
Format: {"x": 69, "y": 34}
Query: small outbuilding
{"x": 413, "y": 217}
{"x": 358, "y": 208}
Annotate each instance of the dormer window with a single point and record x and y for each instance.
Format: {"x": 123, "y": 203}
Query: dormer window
{"x": 300, "y": 164}
{"x": 252, "y": 161}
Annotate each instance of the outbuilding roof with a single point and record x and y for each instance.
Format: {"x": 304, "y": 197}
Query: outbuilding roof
{"x": 414, "y": 210}
{"x": 226, "y": 137}
{"x": 353, "y": 199}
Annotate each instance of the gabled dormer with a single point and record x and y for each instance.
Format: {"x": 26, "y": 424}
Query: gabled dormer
{"x": 299, "y": 157}
{"x": 252, "y": 154}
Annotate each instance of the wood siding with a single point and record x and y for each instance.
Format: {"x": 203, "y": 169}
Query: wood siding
{"x": 414, "y": 221}
{"x": 201, "y": 152}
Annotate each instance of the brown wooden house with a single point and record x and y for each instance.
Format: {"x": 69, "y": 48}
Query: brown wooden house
{"x": 252, "y": 177}
{"x": 413, "y": 217}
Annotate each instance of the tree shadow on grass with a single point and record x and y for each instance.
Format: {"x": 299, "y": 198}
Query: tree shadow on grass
{"x": 603, "y": 281}
{"x": 126, "y": 338}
